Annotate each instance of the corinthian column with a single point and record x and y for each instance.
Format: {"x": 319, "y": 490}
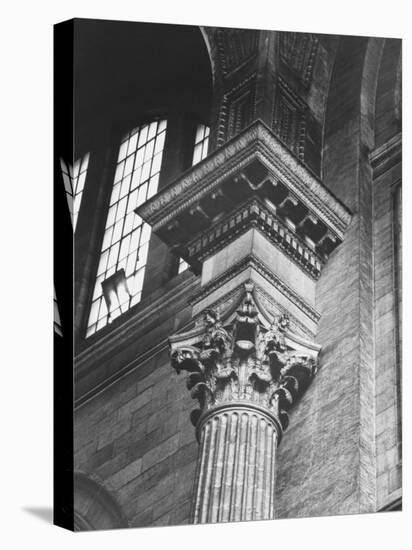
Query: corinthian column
{"x": 245, "y": 376}
{"x": 258, "y": 228}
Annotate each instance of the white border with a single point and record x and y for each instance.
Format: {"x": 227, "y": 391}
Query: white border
{"x": 26, "y": 274}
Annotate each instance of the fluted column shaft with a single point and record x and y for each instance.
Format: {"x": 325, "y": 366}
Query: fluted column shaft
{"x": 235, "y": 477}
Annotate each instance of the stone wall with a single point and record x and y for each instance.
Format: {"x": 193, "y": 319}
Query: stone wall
{"x": 136, "y": 437}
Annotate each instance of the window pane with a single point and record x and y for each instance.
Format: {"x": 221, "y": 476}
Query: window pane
{"x": 111, "y": 216}
{"x": 182, "y": 265}
{"x": 142, "y": 136}
{"x": 117, "y": 231}
{"x": 131, "y": 263}
{"x": 140, "y": 157}
{"x": 113, "y": 255}
{"x": 136, "y": 178}
{"x": 68, "y": 184}
{"x": 201, "y": 143}
{"x": 197, "y": 154}
{"x": 141, "y": 197}
{"x": 152, "y": 130}
{"x": 153, "y": 186}
{"x": 103, "y": 309}
{"x": 91, "y": 330}
{"x": 124, "y": 186}
{"x": 103, "y": 262}
{"x": 98, "y": 287}
{"x": 157, "y": 160}
{"x": 199, "y": 133}
{"x": 137, "y": 283}
{"x": 74, "y": 178}
{"x": 124, "y": 248}
{"x": 160, "y": 140}
{"x": 116, "y": 191}
{"x": 107, "y": 238}
{"x": 129, "y": 165}
{"x": 132, "y": 202}
{"x": 123, "y": 151}
{"x": 149, "y": 150}
{"x": 142, "y": 255}
{"x": 134, "y": 243}
{"x": 132, "y": 143}
{"x": 94, "y": 311}
{"x": 75, "y": 169}
{"x": 146, "y": 230}
{"x": 128, "y": 224}
{"x": 121, "y": 209}
{"x": 146, "y": 170}
{"x": 119, "y": 172}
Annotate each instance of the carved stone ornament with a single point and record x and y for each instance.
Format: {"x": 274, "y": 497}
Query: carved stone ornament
{"x": 245, "y": 360}
{"x": 253, "y": 179}
{"x": 258, "y": 152}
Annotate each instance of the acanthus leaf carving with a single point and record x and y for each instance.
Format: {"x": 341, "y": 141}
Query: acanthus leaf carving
{"x": 245, "y": 360}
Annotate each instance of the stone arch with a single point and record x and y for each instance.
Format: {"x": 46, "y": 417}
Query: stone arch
{"x": 349, "y": 121}
{"x": 95, "y": 507}
{"x": 211, "y": 52}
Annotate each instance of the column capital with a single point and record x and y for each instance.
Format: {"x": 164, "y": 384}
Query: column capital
{"x": 246, "y": 359}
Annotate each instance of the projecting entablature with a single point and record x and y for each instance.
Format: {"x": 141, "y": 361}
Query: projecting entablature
{"x": 253, "y": 181}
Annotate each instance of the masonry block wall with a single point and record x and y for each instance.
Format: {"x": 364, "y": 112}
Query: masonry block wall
{"x": 335, "y": 429}
{"x": 134, "y": 435}
{"x": 140, "y": 443}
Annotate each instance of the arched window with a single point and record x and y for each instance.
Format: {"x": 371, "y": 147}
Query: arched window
{"x": 126, "y": 238}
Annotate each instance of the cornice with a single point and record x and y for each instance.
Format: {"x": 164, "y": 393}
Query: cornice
{"x": 255, "y": 142}
{"x": 108, "y": 381}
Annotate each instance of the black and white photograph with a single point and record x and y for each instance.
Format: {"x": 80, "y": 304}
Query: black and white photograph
{"x": 210, "y": 212}
{"x": 235, "y": 198}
